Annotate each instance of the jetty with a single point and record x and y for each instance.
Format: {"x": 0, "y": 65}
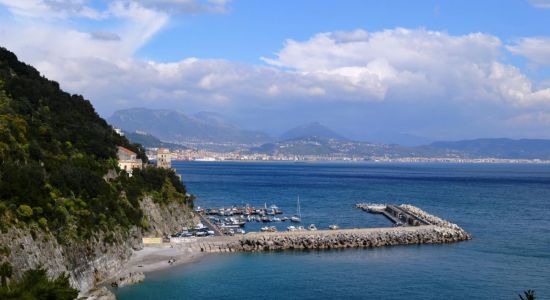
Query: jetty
{"x": 417, "y": 227}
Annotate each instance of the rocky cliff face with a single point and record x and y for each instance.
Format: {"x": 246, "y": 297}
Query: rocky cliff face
{"x": 165, "y": 219}
{"x": 93, "y": 260}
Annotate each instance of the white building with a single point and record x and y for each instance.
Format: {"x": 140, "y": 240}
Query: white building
{"x": 127, "y": 160}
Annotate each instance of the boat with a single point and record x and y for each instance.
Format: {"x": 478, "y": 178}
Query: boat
{"x": 266, "y": 219}
{"x": 283, "y": 219}
{"x": 312, "y": 227}
{"x": 224, "y": 225}
{"x": 300, "y": 228}
{"x": 298, "y": 217}
{"x": 269, "y": 229}
{"x": 200, "y": 226}
{"x": 276, "y": 219}
{"x": 291, "y": 228}
{"x": 333, "y": 227}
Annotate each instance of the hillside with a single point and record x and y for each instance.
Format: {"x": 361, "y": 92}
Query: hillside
{"x": 499, "y": 148}
{"x": 173, "y": 126}
{"x": 150, "y": 141}
{"x": 470, "y": 149}
{"x": 58, "y": 208}
{"x": 314, "y": 129}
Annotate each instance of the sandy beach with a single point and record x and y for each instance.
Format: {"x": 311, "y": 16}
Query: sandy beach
{"x": 153, "y": 258}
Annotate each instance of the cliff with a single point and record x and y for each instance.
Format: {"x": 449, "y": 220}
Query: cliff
{"x": 65, "y": 204}
{"x": 88, "y": 261}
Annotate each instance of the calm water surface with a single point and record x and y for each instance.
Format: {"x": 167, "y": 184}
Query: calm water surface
{"x": 505, "y": 207}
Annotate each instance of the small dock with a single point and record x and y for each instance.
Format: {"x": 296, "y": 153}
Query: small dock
{"x": 399, "y": 216}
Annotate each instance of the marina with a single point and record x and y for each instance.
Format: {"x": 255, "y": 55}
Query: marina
{"x": 411, "y": 225}
{"x": 233, "y": 220}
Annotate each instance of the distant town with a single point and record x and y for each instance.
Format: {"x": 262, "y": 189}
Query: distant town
{"x": 210, "y": 156}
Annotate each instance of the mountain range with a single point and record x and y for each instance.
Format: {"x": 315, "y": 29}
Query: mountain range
{"x": 178, "y": 127}
{"x": 314, "y": 129}
{"x": 207, "y": 130}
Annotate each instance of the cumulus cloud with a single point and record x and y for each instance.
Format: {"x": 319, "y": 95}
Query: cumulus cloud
{"x": 536, "y": 49}
{"x": 51, "y": 8}
{"x": 412, "y": 61}
{"x": 413, "y": 78}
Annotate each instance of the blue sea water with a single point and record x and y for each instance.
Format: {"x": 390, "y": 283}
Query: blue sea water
{"x": 505, "y": 207}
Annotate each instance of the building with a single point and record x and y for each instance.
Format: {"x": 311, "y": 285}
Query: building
{"x": 119, "y": 131}
{"x": 127, "y": 160}
{"x": 164, "y": 158}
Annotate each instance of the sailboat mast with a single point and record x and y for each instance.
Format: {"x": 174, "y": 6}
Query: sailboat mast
{"x": 299, "y": 212}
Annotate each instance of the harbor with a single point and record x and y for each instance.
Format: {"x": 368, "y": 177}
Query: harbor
{"x": 411, "y": 225}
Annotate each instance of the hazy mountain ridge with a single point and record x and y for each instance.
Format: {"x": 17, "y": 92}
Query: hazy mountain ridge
{"x": 313, "y": 129}
{"x": 150, "y": 141}
{"x": 482, "y": 148}
{"x": 499, "y": 147}
{"x": 173, "y": 126}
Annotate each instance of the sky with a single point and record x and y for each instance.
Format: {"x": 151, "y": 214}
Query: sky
{"x": 371, "y": 70}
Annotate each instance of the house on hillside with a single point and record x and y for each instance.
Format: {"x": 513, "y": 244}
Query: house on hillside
{"x": 164, "y": 158}
{"x": 127, "y": 160}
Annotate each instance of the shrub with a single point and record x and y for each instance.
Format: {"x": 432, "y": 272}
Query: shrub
{"x": 24, "y": 211}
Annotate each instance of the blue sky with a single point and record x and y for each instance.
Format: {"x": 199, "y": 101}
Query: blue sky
{"x": 251, "y": 29}
{"x": 372, "y": 70}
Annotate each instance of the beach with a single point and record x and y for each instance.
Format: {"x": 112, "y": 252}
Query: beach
{"x": 154, "y": 258}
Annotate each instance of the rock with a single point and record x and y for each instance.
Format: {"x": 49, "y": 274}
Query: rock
{"x": 128, "y": 279}
{"x": 101, "y": 293}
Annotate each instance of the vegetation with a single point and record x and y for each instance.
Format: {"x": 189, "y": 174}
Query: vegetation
{"x": 54, "y": 153}
{"x": 35, "y": 284}
{"x": 529, "y": 295}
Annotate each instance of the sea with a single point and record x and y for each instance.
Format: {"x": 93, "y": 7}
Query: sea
{"x": 506, "y": 207}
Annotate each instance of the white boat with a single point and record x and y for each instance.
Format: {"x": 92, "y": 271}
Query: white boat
{"x": 200, "y": 226}
{"x": 276, "y": 219}
{"x": 269, "y": 229}
{"x": 298, "y": 217}
{"x": 300, "y": 228}
{"x": 312, "y": 227}
{"x": 333, "y": 227}
{"x": 291, "y": 228}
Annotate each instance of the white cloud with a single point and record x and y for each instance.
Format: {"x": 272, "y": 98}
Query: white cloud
{"x": 51, "y": 8}
{"x": 536, "y": 49}
{"x": 418, "y": 61}
{"x": 390, "y": 75}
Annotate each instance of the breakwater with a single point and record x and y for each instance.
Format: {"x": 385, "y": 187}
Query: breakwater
{"x": 433, "y": 231}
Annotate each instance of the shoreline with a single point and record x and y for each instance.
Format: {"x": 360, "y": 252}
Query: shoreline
{"x": 155, "y": 258}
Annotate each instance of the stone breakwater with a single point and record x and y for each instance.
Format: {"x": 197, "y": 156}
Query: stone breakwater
{"x": 351, "y": 238}
{"x": 438, "y": 232}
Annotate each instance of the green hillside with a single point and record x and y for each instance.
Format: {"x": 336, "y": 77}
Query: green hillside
{"x": 54, "y": 153}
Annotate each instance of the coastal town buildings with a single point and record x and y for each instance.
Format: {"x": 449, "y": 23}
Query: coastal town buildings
{"x": 127, "y": 160}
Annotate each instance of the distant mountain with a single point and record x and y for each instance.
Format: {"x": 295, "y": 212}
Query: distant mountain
{"x": 392, "y": 137}
{"x": 173, "y": 126}
{"x": 150, "y": 141}
{"x": 499, "y": 148}
{"x": 332, "y": 147}
{"x": 481, "y": 148}
{"x": 314, "y": 129}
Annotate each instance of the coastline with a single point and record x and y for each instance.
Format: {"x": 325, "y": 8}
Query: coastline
{"x": 154, "y": 258}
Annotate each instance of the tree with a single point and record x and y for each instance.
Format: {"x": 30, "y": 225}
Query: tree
{"x": 6, "y": 271}
{"x": 35, "y": 284}
{"x": 529, "y": 295}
